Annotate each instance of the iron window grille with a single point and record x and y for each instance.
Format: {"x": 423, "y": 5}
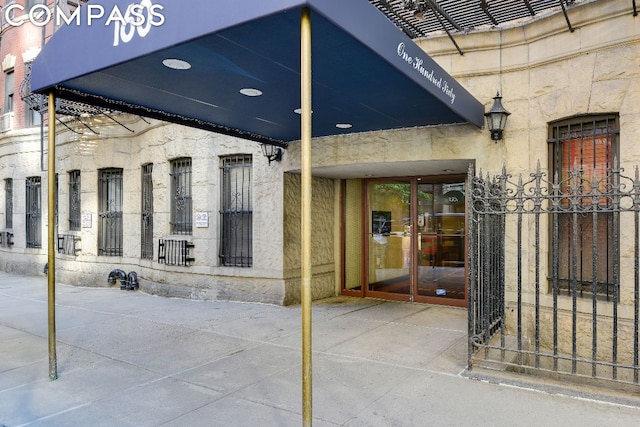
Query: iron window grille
{"x": 6, "y": 239}
{"x": 56, "y": 203}
{"x": 584, "y": 153}
{"x": 33, "y": 213}
{"x": 74, "y": 201}
{"x": 110, "y": 233}
{"x": 146, "y": 216}
{"x": 8, "y": 203}
{"x": 236, "y": 215}
{"x": 181, "y": 203}
{"x": 32, "y": 117}
{"x": 68, "y": 244}
{"x": 175, "y": 252}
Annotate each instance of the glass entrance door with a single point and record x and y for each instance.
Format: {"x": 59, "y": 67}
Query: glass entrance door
{"x": 441, "y": 242}
{"x": 390, "y": 238}
{"x": 416, "y": 240}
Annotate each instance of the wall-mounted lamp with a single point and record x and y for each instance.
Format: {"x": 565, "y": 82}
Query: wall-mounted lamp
{"x": 419, "y": 15}
{"x": 496, "y": 118}
{"x": 272, "y": 152}
{"x": 417, "y": 6}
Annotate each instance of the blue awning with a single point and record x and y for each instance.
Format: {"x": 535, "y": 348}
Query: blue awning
{"x": 367, "y": 75}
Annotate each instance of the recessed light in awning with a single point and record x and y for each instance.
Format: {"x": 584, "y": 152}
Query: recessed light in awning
{"x": 176, "y": 64}
{"x": 257, "y": 46}
{"x": 249, "y": 91}
{"x": 344, "y": 125}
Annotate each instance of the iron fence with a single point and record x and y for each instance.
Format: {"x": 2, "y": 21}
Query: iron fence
{"x": 553, "y": 286}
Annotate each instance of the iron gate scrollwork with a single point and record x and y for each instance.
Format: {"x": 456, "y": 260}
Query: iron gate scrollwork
{"x": 181, "y": 201}
{"x": 236, "y": 211}
{"x": 552, "y": 285}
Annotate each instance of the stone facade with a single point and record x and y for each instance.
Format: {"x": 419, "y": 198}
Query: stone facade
{"x": 129, "y": 145}
{"x": 547, "y": 73}
{"x": 323, "y": 234}
{"x": 544, "y": 72}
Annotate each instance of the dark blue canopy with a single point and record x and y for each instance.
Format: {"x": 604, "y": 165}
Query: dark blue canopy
{"x": 367, "y": 75}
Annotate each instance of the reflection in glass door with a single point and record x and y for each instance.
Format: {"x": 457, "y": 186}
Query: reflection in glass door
{"x": 416, "y": 240}
{"x": 441, "y": 241}
{"x": 389, "y": 235}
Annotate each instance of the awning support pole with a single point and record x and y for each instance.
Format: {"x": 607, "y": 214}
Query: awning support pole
{"x": 51, "y": 252}
{"x": 305, "y": 83}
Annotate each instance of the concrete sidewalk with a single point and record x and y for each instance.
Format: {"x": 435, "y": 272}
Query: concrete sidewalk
{"x": 130, "y": 359}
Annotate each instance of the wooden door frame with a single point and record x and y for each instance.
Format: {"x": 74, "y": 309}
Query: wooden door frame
{"x": 413, "y": 295}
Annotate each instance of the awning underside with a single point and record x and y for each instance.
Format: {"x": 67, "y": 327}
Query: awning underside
{"x": 354, "y": 83}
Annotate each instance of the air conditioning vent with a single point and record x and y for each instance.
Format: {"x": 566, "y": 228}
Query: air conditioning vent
{"x": 6, "y": 122}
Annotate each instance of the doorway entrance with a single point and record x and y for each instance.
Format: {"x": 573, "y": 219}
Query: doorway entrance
{"x": 414, "y": 241}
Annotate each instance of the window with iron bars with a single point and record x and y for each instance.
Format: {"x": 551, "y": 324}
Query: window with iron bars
{"x": 236, "y": 215}
{"x": 33, "y": 212}
{"x": 146, "y": 217}
{"x": 74, "y": 201}
{"x": 181, "y": 204}
{"x": 8, "y": 91}
{"x": 110, "y": 231}
{"x": 584, "y": 150}
{"x": 32, "y": 117}
{"x": 56, "y": 192}
{"x": 8, "y": 203}
{"x": 30, "y": 3}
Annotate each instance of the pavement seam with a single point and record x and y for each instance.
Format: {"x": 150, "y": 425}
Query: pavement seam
{"x": 572, "y": 391}
{"x": 234, "y": 393}
{"x": 394, "y": 322}
{"x": 382, "y": 362}
{"x": 50, "y": 416}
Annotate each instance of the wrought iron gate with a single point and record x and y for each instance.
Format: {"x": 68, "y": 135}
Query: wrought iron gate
{"x": 554, "y": 273}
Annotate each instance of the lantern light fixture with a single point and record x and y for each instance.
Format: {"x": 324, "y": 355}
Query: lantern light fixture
{"x": 271, "y": 152}
{"x": 497, "y": 118}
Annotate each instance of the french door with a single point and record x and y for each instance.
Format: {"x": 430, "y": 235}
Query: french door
{"x": 415, "y": 239}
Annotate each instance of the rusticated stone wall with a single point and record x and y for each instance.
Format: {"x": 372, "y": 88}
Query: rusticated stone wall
{"x": 322, "y": 238}
{"x": 129, "y": 147}
{"x": 544, "y": 72}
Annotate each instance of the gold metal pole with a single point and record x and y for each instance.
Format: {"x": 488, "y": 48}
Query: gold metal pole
{"x": 305, "y": 83}
{"x": 51, "y": 252}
